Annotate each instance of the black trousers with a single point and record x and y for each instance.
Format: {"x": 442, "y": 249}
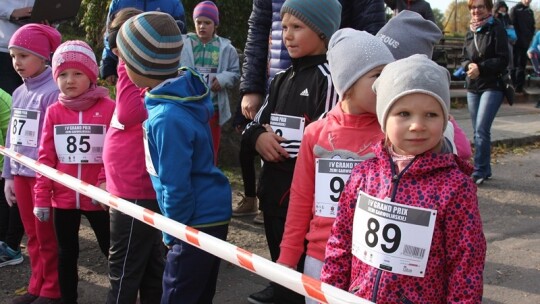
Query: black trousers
{"x": 136, "y": 258}
{"x": 247, "y": 157}
{"x": 274, "y": 227}
{"x": 66, "y": 225}
{"x": 11, "y": 227}
{"x": 520, "y": 64}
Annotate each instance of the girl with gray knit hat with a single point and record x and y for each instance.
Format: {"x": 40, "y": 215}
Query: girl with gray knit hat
{"x": 408, "y": 228}
{"x": 343, "y": 137}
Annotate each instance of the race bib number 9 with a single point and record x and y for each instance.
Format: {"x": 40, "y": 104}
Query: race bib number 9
{"x": 24, "y": 127}
{"x": 392, "y": 236}
{"x": 289, "y": 127}
{"x": 330, "y": 178}
{"x": 79, "y": 143}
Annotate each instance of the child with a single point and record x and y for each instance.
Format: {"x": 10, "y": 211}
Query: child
{"x": 178, "y": 144}
{"x": 11, "y": 228}
{"x": 344, "y": 136}
{"x": 136, "y": 253}
{"x": 30, "y": 48}
{"x": 408, "y": 228}
{"x": 72, "y": 142}
{"x": 297, "y": 97}
{"x": 216, "y": 60}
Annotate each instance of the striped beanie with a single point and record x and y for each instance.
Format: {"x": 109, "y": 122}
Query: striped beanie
{"x": 321, "y": 16}
{"x": 75, "y": 54}
{"x": 150, "y": 44}
{"x": 38, "y": 39}
{"x": 206, "y": 9}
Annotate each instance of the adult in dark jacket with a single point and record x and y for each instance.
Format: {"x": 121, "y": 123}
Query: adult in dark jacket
{"x": 523, "y": 20}
{"x": 420, "y": 6}
{"x": 109, "y": 61}
{"x": 486, "y": 58}
{"x": 265, "y": 53}
{"x": 500, "y": 12}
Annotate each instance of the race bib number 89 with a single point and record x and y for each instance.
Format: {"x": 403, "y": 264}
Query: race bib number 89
{"x": 391, "y": 236}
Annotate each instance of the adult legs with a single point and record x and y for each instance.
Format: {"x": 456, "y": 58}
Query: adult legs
{"x": 520, "y": 63}
{"x": 11, "y": 227}
{"x": 483, "y": 108}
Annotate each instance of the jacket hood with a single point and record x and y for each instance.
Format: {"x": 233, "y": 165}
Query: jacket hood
{"x": 188, "y": 90}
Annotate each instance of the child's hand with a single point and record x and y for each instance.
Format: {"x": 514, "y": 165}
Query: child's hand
{"x": 9, "y": 192}
{"x": 42, "y": 213}
{"x": 215, "y": 85}
{"x": 269, "y": 148}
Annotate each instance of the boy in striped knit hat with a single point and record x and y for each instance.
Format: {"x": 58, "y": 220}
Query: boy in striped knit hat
{"x": 190, "y": 189}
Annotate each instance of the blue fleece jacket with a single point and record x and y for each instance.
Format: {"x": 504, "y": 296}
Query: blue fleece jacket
{"x": 189, "y": 188}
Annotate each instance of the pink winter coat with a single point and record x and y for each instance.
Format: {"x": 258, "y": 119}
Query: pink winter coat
{"x": 456, "y": 260}
{"x": 52, "y": 193}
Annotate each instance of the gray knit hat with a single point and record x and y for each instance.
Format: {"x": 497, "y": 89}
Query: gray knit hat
{"x": 322, "y": 16}
{"x": 409, "y": 33}
{"x": 351, "y": 54}
{"x": 150, "y": 44}
{"x": 415, "y": 74}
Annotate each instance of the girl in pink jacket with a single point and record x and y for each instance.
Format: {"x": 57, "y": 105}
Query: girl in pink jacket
{"x": 72, "y": 142}
{"x": 408, "y": 228}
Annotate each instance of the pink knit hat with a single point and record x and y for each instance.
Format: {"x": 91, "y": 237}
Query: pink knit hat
{"x": 38, "y": 39}
{"x": 75, "y": 54}
{"x": 206, "y": 9}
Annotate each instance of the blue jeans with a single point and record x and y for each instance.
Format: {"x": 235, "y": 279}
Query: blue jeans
{"x": 483, "y": 107}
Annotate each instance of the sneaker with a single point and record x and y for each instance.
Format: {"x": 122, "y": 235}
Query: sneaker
{"x": 264, "y": 296}
{"x": 247, "y": 206}
{"x": 259, "y": 219}
{"x": 478, "y": 180}
{"x": 44, "y": 300}
{"x": 9, "y": 256}
{"x": 26, "y": 298}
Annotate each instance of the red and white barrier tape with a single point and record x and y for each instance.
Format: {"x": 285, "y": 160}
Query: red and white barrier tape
{"x": 287, "y": 277}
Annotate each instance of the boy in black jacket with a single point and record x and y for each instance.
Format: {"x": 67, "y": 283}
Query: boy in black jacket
{"x": 296, "y": 97}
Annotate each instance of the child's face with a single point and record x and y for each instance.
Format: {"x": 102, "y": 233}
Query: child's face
{"x": 299, "y": 39}
{"x": 73, "y": 82}
{"x": 205, "y": 28}
{"x": 360, "y": 98}
{"x": 26, "y": 64}
{"x": 415, "y": 124}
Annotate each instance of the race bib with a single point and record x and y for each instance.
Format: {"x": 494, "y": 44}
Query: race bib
{"x": 208, "y": 74}
{"x": 391, "y": 236}
{"x": 147, "y": 159}
{"x": 330, "y": 178}
{"x": 115, "y": 123}
{"x": 24, "y": 127}
{"x": 289, "y": 127}
{"x": 79, "y": 143}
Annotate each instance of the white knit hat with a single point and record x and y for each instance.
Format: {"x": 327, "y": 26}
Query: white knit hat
{"x": 415, "y": 74}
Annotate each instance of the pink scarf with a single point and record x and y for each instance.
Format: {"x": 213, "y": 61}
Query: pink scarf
{"x": 401, "y": 161}
{"x": 85, "y": 100}
{"x": 477, "y": 23}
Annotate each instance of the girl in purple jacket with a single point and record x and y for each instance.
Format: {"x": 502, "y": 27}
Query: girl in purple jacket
{"x": 30, "y": 48}
{"x": 408, "y": 228}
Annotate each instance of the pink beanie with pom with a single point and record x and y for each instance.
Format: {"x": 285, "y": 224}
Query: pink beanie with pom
{"x": 75, "y": 54}
{"x": 38, "y": 39}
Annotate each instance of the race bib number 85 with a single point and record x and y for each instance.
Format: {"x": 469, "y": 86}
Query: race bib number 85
{"x": 80, "y": 143}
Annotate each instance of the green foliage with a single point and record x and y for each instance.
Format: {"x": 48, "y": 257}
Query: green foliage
{"x": 92, "y": 17}
{"x": 233, "y": 19}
